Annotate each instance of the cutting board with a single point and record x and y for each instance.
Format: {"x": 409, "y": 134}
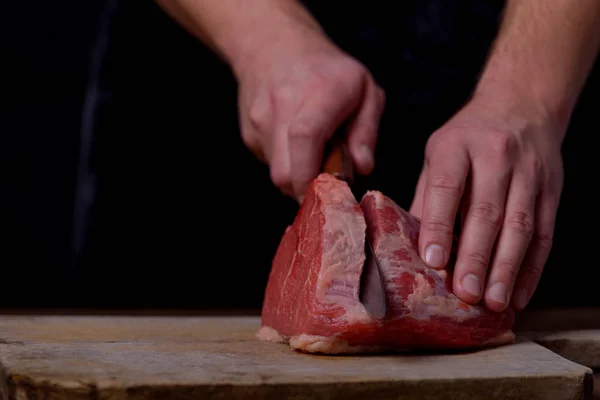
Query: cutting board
{"x": 581, "y": 346}
{"x": 573, "y": 333}
{"x": 219, "y": 358}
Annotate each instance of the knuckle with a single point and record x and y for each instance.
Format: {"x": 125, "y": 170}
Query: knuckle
{"x": 354, "y": 69}
{"x": 302, "y": 129}
{"x": 544, "y": 240}
{"x": 509, "y": 269}
{"x": 431, "y": 147}
{"x": 522, "y": 223}
{"x": 322, "y": 83}
{"x": 436, "y": 224}
{"x": 446, "y": 184}
{"x": 282, "y": 94}
{"x": 533, "y": 272}
{"x": 249, "y": 139}
{"x": 478, "y": 259}
{"x": 488, "y": 213}
{"x": 440, "y": 142}
{"x": 258, "y": 115}
{"x": 535, "y": 167}
{"x": 505, "y": 146}
{"x": 341, "y": 85}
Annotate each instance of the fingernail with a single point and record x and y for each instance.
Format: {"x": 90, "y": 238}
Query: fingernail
{"x": 521, "y": 298}
{"x": 472, "y": 285}
{"x": 497, "y": 292}
{"x": 434, "y": 256}
{"x": 366, "y": 154}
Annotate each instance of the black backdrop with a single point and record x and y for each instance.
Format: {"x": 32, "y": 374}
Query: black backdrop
{"x": 182, "y": 214}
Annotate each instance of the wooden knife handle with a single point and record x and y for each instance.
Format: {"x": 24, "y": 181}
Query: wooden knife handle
{"x": 338, "y": 162}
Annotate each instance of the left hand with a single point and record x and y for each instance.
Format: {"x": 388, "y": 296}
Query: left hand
{"x": 501, "y": 167}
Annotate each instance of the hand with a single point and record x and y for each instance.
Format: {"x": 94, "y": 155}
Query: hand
{"x": 502, "y": 169}
{"x": 294, "y": 95}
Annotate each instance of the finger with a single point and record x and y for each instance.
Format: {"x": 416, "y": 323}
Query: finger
{"x": 280, "y": 164}
{"x": 513, "y": 242}
{"x": 252, "y": 139}
{"x": 482, "y": 223}
{"x": 364, "y": 127}
{"x": 416, "y": 207}
{"x": 538, "y": 251}
{"x": 465, "y": 204}
{"x": 256, "y": 123}
{"x": 446, "y": 174}
{"x": 313, "y": 126}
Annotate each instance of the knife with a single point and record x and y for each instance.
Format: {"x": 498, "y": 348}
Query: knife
{"x": 372, "y": 289}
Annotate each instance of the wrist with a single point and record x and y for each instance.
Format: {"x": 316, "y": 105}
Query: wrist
{"x": 242, "y": 31}
{"x": 285, "y": 27}
{"x": 520, "y": 98}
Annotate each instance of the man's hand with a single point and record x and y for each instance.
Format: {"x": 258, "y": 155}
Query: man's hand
{"x": 294, "y": 96}
{"x": 498, "y": 160}
{"x": 503, "y": 172}
{"x": 296, "y": 88}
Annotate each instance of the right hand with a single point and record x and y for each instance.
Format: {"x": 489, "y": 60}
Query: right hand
{"x": 294, "y": 94}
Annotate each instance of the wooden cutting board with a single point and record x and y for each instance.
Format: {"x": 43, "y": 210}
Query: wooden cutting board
{"x": 219, "y": 358}
{"x": 580, "y": 346}
{"x": 573, "y": 333}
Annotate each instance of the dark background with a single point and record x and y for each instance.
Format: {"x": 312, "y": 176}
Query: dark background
{"x": 181, "y": 214}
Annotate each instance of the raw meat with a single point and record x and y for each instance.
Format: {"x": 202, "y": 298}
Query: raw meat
{"x": 312, "y": 296}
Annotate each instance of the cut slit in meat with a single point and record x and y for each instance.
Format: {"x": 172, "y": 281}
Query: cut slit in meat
{"x": 372, "y": 285}
{"x": 312, "y": 296}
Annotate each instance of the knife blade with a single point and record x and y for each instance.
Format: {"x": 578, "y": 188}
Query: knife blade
{"x": 372, "y": 289}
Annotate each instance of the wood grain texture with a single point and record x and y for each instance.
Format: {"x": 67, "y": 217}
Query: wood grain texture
{"x": 219, "y": 358}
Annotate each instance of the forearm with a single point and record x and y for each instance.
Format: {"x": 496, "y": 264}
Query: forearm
{"x": 238, "y": 29}
{"x": 543, "y": 53}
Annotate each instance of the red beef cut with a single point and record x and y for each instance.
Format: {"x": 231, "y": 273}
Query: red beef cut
{"x": 312, "y": 296}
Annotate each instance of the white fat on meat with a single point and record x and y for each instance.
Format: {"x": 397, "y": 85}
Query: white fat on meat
{"x": 341, "y": 262}
{"x": 426, "y": 300}
{"x": 315, "y": 343}
{"x": 328, "y": 345}
{"x": 424, "y": 303}
{"x": 269, "y": 334}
